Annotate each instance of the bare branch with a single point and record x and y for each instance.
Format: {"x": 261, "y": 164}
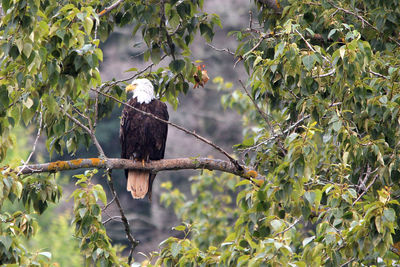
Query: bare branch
{"x": 265, "y": 116}
{"x": 203, "y": 139}
{"x": 125, "y": 222}
{"x": 347, "y": 262}
{"x": 108, "y": 9}
{"x": 108, "y": 204}
{"x": 92, "y": 136}
{"x": 366, "y": 189}
{"x": 96, "y": 109}
{"x": 378, "y": 74}
{"x": 36, "y": 140}
{"x": 113, "y": 218}
{"x": 311, "y": 47}
{"x": 270, "y": 139}
{"x": 289, "y": 227}
{"x": 221, "y": 49}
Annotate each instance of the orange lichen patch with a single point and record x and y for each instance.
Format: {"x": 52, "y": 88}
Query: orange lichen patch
{"x": 251, "y": 173}
{"x": 396, "y": 248}
{"x": 258, "y": 182}
{"x": 76, "y": 162}
{"x": 58, "y": 165}
{"x": 96, "y": 161}
{"x": 102, "y": 12}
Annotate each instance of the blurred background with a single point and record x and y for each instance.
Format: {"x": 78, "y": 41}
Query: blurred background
{"x": 200, "y": 110}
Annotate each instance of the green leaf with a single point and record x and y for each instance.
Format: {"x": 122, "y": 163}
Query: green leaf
{"x": 28, "y": 102}
{"x": 177, "y": 65}
{"x": 389, "y": 215}
{"x": 180, "y": 228}
{"x": 27, "y": 49}
{"x": 308, "y": 62}
{"x": 5, "y": 5}
{"x": 88, "y": 24}
{"x": 101, "y": 194}
{"x": 6, "y": 241}
{"x": 308, "y": 240}
{"x": 46, "y": 254}
{"x": 175, "y": 249}
{"x": 276, "y": 225}
{"x": 131, "y": 69}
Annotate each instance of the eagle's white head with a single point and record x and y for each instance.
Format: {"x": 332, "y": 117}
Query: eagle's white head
{"x": 142, "y": 89}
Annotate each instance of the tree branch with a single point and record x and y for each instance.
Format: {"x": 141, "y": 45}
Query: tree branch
{"x": 153, "y": 166}
{"x": 80, "y": 124}
{"x": 124, "y": 221}
{"x": 108, "y": 9}
{"x": 363, "y": 21}
{"x": 366, "y": 189}
{"x": 262, "y": 113}
{"x": 37, "y": 137}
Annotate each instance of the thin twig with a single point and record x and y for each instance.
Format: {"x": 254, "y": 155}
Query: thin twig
{"x": 263, "y": 36}
{"x": 366, "y": 189}
{"x": 347, "y": 262}
{"x": 265, "y": 116}
{"x": 331, "y": 72}
{"x": 221, "y": 49}
{"x": 378, "y": 74}
{"x": 108, "y": 204}
{"x": 114, "y": 218}
{"x": 203, "y": 139}
{"x": 96, "y": 109}
{"x": 91, "y": 134}
{"x": 294, "y": 125}
{"x": 36, "y": 139}
{"x": 289, "y": 227}
{"x": 311, "y": 47}
{"x": 125, "y": 222}
{"x": 108, "y": 9}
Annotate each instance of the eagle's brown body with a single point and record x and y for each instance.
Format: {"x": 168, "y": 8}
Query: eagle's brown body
{"x": 142, "y": 139}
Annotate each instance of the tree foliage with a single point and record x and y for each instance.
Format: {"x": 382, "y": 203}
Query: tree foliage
{"x": 320, "y": 110}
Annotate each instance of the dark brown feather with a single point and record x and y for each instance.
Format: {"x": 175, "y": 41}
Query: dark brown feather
{"x": 143, "y": 137}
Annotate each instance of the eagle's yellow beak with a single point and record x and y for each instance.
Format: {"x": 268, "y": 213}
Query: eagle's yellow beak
{"x": 130, "y": 87}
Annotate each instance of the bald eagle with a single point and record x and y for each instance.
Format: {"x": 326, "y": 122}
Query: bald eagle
{"x": 142, "y": 138}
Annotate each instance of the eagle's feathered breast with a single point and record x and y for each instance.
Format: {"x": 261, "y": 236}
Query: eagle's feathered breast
{"x": 143, "y": 137}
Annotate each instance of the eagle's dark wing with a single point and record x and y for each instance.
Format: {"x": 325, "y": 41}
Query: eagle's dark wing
{"x": 157, "y": 130}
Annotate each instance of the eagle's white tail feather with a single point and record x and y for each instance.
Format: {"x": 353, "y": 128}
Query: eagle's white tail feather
{"x": 138, "y": 183}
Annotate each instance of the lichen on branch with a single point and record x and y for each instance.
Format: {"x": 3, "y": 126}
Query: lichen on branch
{"x": 153, "y": 166}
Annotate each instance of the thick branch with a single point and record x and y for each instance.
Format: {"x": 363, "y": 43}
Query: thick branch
{"x": 153, "y": 166}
